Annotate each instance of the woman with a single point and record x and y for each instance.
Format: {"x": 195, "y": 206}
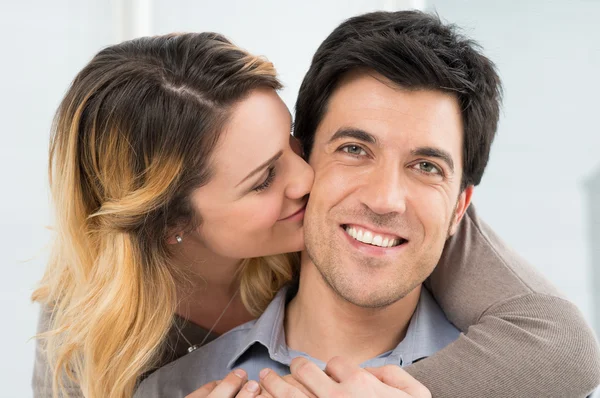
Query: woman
{"x": 178, "y": 189}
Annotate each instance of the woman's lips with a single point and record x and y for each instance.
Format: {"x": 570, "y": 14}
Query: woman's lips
{"x": 296, "y": 215}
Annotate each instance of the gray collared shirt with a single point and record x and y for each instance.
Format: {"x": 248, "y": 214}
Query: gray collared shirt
{"x": 261, "y": 344}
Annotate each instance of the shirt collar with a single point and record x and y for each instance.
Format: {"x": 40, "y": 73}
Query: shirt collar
{"x": 428, "y": 331}
{"x": 268, "y": 330}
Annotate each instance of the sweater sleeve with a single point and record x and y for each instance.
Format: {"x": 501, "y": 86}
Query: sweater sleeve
{"x": 42, "y": 373}
{"x": 522, "y": 338}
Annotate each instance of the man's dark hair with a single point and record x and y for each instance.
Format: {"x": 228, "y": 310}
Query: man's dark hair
{"x": 416, "y": 51}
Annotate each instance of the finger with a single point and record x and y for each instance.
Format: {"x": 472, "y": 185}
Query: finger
{"x": 395, "y": 376}
{"x": 313, "y": 378}
{"x": 264, "y": 394}
{"x": 250, "y": 390}
{"x": 340, "y": 369}
{"x": 291, "y": 380}
{"x": 203, "y": 391}
{"x": 230, "y": 385}
{"x": 274, "y": 384}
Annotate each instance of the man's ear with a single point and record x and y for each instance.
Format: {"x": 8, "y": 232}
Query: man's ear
{"x": 462, "y": 204}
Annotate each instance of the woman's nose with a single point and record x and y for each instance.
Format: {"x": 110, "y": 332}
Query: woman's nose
{"x": 301, "y": 179}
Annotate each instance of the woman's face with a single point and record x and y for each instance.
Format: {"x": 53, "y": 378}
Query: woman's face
{"x": 254, "y": 204}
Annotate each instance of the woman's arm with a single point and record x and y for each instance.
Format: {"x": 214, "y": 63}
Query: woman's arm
{"x": 522, "y": 338}
{"x": 42, "y": 374}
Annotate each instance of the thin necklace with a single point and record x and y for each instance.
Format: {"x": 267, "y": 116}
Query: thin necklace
{"x": 194, "y": 347}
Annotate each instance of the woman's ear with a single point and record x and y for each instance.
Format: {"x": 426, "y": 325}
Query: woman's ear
{"x": 175, "y": 238}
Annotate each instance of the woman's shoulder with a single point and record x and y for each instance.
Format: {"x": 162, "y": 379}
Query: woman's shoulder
{"x": 41, "y": 382}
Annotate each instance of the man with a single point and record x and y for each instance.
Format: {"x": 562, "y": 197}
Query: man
{"x": 397, "y": 115}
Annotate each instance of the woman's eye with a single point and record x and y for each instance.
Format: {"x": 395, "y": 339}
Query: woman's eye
{"x": 267, "y": 182}
{"x": 428, "y": 168}
{"x": 354, "y": 150}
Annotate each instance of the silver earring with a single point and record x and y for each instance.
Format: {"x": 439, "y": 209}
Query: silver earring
{"x": 178, "y": 238}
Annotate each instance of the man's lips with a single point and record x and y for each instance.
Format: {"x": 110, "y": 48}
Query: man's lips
{"x": 373, "y": 236}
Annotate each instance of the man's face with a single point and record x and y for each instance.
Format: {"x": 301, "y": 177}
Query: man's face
{"x": 388, "y": 167}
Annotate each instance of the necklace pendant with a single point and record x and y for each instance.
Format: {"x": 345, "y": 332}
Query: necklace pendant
{"x": 193, "y": 348}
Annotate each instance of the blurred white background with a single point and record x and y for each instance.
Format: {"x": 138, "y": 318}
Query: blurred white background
{"x": 537, "y": 192}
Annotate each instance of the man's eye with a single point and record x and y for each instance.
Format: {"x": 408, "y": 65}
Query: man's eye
{"x": 354, "y": 150}
{"x": 428, "y": 167}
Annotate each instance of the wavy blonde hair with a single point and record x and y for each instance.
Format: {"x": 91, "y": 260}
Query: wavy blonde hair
{"x": 131, "y": 139}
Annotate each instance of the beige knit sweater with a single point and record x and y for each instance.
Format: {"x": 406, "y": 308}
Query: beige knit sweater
{"x": 522, "y": 338}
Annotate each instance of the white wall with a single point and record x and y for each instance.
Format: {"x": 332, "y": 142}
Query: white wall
{"x": 44, "y": 43}
{"x": 531, "y": 194}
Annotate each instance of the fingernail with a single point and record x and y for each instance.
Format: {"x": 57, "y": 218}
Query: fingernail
{"x": 252, "y": 386}
{"x": 239, "y": 373}
{"x": 263, "y": 373}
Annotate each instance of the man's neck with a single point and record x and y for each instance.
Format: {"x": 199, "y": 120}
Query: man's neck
{"x": 321, "y": 324}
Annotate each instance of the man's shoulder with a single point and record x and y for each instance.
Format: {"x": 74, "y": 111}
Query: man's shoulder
{"x": 190, "y": 372}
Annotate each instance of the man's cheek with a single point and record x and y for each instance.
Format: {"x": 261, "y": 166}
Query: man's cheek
{"x": 338, "y": 179}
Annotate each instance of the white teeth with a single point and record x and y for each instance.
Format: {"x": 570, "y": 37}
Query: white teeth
{"x": 377, "y": 240}
{"x": 369, "y": 238}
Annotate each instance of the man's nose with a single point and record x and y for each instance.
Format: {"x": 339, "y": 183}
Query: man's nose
{"x": 385, "y": 191}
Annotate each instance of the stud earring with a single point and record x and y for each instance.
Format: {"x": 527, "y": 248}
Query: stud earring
{"x": 178, "y": 238}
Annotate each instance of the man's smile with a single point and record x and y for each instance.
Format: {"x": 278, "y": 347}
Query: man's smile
{"x": 371, "y": 241}
{"x": 372, "y": 237}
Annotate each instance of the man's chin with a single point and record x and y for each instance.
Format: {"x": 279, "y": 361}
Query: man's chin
{"x": 368, "y": 296}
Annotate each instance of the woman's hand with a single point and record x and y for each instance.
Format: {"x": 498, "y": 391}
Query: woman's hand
{"x": 234, "y": 385}
{"x": 341, "y": 379}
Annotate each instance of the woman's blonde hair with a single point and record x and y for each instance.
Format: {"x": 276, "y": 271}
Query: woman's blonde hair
{"x": 131, "y": 139}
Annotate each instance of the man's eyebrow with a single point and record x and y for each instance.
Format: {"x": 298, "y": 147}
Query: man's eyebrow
{"x": 432, "y": 152}
{"x": 355, "y": 133}
{"x": 272, "y": 160}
